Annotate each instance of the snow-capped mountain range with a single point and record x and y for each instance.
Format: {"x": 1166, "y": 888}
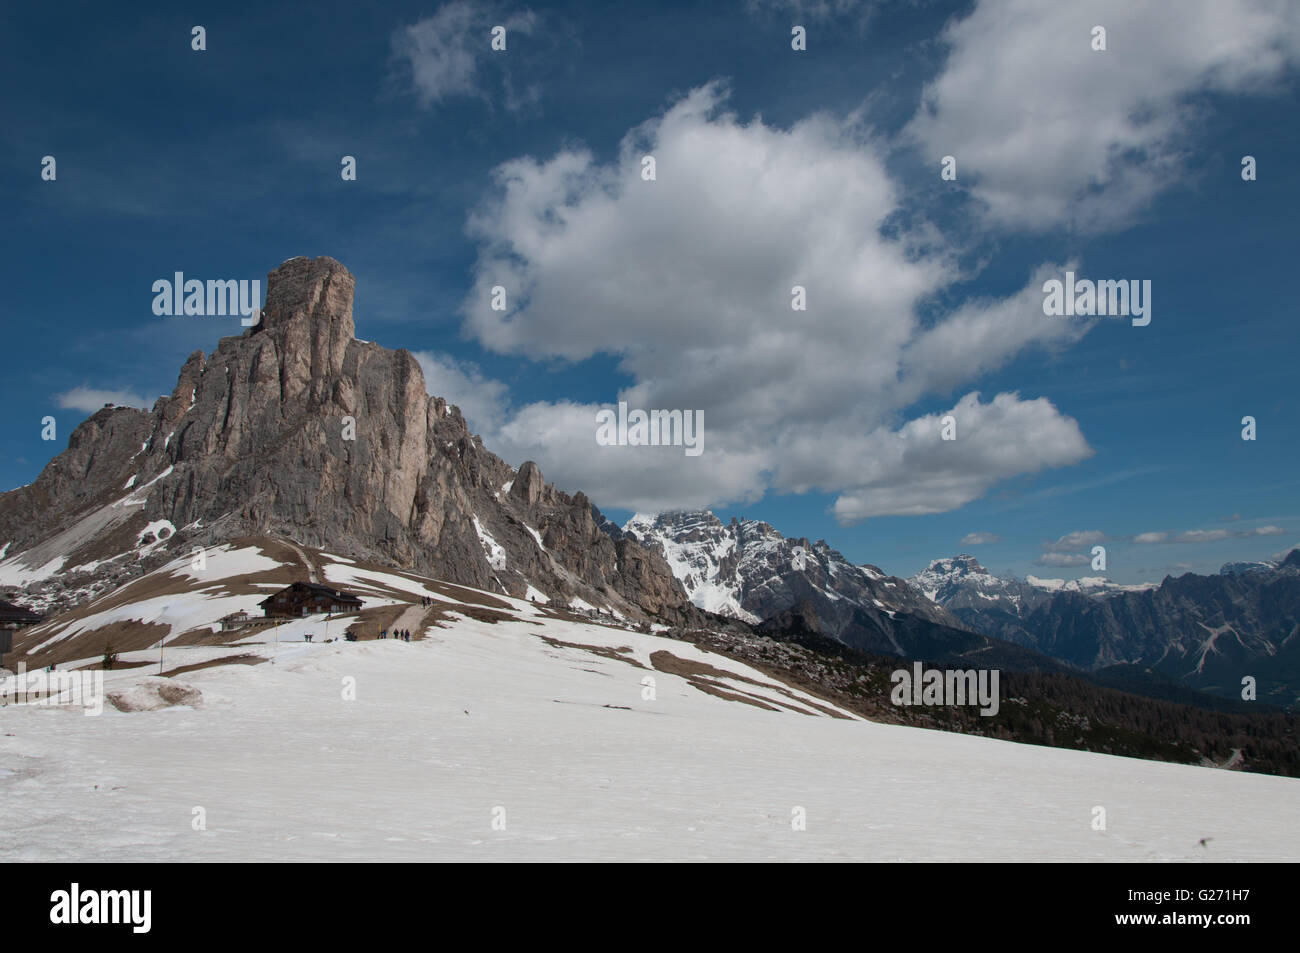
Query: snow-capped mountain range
{"x": 748, "y": 570}
{"x": 960, "y": 582}
{"x": 1207, "y": 631}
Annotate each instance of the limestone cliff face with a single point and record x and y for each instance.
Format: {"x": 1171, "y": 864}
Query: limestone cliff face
{"x": 297, "y": 429}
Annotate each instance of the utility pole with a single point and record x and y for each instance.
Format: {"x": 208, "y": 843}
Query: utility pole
{"x": 162, "y": 641}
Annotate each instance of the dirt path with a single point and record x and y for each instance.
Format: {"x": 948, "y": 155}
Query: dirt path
{"x": 413, "y": 619}
{"x": 307, "y": 563}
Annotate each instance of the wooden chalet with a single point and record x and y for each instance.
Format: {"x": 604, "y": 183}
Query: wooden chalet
{"x": 308, "y": 598}
{"x": 13, "y": 618}
{"x": 16, "y": 617}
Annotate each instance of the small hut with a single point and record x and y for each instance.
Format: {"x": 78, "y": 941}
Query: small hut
{"x": 236, "y": 620}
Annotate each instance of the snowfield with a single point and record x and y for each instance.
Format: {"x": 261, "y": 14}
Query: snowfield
{"x": 565, "y": 747}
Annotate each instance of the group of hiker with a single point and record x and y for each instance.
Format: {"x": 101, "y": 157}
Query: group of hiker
{"x": 426, "y": 602}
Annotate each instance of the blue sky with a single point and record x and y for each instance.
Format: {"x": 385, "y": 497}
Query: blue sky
{"x": 775, "y": 167}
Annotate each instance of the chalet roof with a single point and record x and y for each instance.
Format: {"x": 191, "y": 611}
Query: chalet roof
{"x": 315, "y": 589}
{"x": 12, "y": 613}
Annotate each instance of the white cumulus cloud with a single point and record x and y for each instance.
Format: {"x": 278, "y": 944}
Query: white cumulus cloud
{"x": 686, "y": 282}
{"x": 1076, "y": 540}
{"x": 1208, "y": 535}
{"x": 1063, "y": 559}
{"x": 1051, "y": 132}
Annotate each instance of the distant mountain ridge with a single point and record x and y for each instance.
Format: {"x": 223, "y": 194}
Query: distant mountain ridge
{"x": 998, "y": 605}
{"x": 1208, "y": 632}
{"x": 1259, "y": 565}
{"x": 750, "y": 571}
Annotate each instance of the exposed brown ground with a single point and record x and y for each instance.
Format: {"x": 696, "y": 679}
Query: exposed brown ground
{"x": 703, "y": 676}
{"x": 450, "y": 590}
{"x": 386, "y": 618}
{"x": 868, "y": 708}
{"x": 712, "y": 688}
{"x": 134, "y": 635}
{"x": 205, "y": 636}
{"x": 563, "y": 614}
{"x": 245, "y": 659}
{"x": 601, "y": 650}
{"x": 128, "y": 636}
{"x": 487, "y": 615}
{"x": 370, "y": 622}
{"x": 793, "y": 680}
{"x": 459, "y": 594}
{"x": 91, "y": 666}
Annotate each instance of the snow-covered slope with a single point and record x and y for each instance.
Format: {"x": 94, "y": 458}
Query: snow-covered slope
{"x": 545, "y": 727}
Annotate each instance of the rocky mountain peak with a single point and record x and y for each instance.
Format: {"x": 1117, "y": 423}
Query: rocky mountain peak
{"x": 316, "y": 290}
{"x": 962, "y": 563}
{"x": 528, "y": 486}
{"x": 677, "y": 524}
{"x": 308, "y": 313}
{"x": 297, "y": 430}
